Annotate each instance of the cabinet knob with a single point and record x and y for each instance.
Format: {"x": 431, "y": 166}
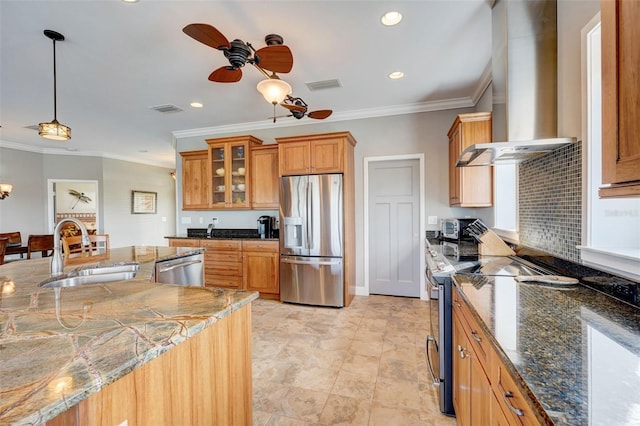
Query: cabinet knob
{"x": 474, "y": 334}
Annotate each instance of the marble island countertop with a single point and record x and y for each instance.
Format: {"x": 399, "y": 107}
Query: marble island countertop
{"x": 575, "y": 349}
{"x": 59, "y": 346}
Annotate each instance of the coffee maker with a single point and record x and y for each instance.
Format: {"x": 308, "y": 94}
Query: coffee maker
{"x": 265, "y": 226}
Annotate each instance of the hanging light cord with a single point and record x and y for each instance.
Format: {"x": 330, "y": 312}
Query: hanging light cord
{"x": 55, "y": 91}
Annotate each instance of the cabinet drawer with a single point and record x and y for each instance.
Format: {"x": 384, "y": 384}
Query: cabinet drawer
{"x": 514, "y": 405}
{"x": 222, "y": 256}
{"x": 477, "y": 338}
{"x": 222, "y": 281}
{"x": 184, "y": 242}
{"x": 223, "y": 268}
{"x": 268, "y": 246}
{"x": 230, "y": 245}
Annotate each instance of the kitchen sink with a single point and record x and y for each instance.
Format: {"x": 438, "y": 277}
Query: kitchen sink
{"x": 93, "y": 274}
{"x": 100, "y": 269}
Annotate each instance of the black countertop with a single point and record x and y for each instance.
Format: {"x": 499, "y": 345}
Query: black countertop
{"x": 576, "y": 350}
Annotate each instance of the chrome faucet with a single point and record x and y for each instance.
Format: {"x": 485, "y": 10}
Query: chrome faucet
{"x": 56, "y": 262}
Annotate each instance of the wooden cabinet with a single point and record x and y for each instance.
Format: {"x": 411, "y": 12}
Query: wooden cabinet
{"x": 195, "y": 180}
{"x": 620, "y": 98}
{"x": 469, "y": 186}
{"x": 264, "y": 177}
{"x": 230, "y": 171}
{"x": 239, "y": 264}
{"x": 222, "y": 263}
{"x": 327, "y": 153}
{"x": 261, "y": 267}
{"x": 484, "y": 391}
{"x": 311, "y": 154}
{"x": 472, "y": 389}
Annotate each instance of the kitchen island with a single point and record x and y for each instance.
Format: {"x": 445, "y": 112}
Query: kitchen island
{"x": 573, "y": 352}
{"x": 130, "y": 350}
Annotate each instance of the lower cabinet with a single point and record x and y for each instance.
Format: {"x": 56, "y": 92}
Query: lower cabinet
{"x": 484, "y": 392}
{"x": 261, "y": 268}
{"x": 239, "y": 264}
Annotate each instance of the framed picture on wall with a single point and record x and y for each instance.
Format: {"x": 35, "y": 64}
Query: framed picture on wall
{"x": 143, "y": 202}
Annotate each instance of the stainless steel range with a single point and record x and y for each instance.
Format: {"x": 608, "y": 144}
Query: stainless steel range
{"x": 444, "y": 261}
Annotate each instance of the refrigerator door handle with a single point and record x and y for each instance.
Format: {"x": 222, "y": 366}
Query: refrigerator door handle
{"x": 310, "y": 227}
{"x": 306, "y": 262}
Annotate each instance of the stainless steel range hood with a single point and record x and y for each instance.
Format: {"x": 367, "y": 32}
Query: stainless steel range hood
{"x": 524, "y": 81}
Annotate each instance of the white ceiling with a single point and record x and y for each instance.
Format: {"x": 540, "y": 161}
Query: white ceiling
{"x": 119, "y": 59}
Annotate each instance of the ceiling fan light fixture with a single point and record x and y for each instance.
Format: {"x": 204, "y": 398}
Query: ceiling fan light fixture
{"x": 274, "y": 90}
{"x": 391, "y": 18}
{"x": 54, "y": 130}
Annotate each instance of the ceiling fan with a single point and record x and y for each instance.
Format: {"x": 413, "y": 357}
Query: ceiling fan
{"x": 299, "y": 109}
{"x": 275, "y": 57}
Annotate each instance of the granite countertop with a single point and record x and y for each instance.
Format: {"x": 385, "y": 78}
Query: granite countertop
{"x": 60, "y": 346}
{"x": 576, "y": 350}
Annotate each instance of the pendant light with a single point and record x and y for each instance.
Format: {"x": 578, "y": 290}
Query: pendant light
{"x": 53, "y": 129}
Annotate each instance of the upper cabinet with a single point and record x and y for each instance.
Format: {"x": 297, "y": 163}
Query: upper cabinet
{"x": 469, "y": 186}
{"x": 230, "y": 171}
{"x": 264, "y": 177}
{"x": 313, "y": 154}
{"x": 195, "y": 180}
{"x": 620, "y": 98}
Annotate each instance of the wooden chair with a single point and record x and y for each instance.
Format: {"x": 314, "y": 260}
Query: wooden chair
{"x": 41, "y": 243}
{"x": 75, "y": 252}
{"x": 3, "y": 248}
{"x": 15, "y": 239}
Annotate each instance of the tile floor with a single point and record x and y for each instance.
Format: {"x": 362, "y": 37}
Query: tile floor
{"x": 361, "y": 365}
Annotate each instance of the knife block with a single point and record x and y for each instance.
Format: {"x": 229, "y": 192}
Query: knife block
{"x": 492, "y": 245}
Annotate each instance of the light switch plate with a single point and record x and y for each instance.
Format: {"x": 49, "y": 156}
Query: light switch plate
{"x": 432, "y": 220}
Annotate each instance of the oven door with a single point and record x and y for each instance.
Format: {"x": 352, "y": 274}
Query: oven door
{"x": 433, "y": 339}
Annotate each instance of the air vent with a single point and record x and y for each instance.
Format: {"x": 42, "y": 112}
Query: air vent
{"x": 324, "y": 84}
{"x": 168, "y": 108}
{"x": 35, "y": 127}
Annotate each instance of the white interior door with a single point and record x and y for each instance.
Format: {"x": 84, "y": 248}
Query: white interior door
{"x": 394, "y": 227}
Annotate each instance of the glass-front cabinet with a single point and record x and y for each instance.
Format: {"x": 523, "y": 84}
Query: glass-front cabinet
{"x": 230, "y": 171}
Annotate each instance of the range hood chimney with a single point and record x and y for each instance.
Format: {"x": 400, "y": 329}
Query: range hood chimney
{"x": 524, "y": 80}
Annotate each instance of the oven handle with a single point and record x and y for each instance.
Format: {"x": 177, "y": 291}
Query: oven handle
{"x": 436, "y": 382}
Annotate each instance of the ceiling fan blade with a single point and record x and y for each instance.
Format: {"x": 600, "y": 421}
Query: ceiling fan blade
{"x": 226, "y": 75}
{"x": 207, "y": 34}
{"x": 320, "y": 114}
{"x": 292, "y": 107}
{"x": 275, "y": 58}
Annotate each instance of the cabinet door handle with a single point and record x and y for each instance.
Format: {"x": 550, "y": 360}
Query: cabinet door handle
{"x": 518, "y": 412}
{"x": 457, "y": 304}
{"x": 474, "y": 334}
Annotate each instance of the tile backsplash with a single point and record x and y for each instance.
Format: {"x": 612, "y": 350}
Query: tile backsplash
{"x": 550, "y": 199}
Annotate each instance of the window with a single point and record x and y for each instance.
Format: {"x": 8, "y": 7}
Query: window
{"x": 611, "y": 226}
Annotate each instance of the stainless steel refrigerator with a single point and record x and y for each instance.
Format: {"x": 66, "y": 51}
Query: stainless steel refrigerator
{"x": 312, "y": 240}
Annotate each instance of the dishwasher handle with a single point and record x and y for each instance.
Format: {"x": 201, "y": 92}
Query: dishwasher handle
{"x": 179, "y": 265}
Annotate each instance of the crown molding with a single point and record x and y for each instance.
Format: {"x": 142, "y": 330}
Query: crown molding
{"x": 340, "y": 116}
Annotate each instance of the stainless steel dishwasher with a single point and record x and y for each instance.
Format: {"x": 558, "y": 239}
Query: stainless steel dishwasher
{"x": 187, "y": 271}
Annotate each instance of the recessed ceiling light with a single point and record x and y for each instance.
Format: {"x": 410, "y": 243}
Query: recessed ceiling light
{"x": 396, "y": 75}
{"x": 391, "y": 18}
{"x": 196, "y": 104}
{"x": 130, "y": 1}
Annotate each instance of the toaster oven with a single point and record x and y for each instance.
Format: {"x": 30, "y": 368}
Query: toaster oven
{"x": 453, "y": 229}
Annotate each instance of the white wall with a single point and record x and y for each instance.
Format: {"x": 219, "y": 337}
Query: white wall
{"x": 25, "y": 210}
{"x": 573, "y": 15}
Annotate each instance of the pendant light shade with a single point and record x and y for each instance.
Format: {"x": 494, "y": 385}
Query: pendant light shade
{"x": 54, "y": 130}
{"x": 274, "y": 90}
